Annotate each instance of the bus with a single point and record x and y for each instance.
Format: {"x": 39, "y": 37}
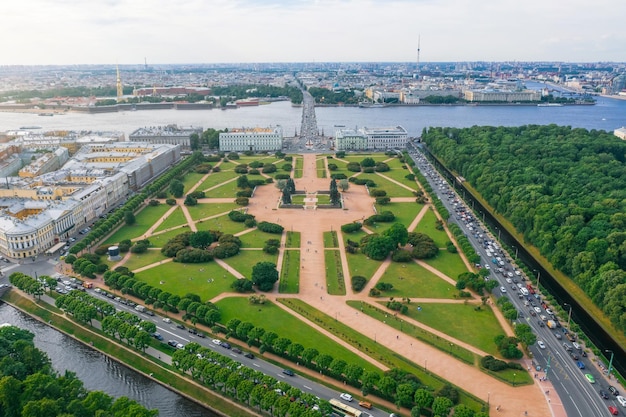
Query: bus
{"x": 343, "y": 409}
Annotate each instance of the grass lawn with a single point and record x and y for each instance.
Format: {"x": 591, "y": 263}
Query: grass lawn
{"x": 393, "y": 189}
{"x": 144, "y": 220}
{"x": 191, "y": 179}
{"x": 465, "y": 322}
{"x": 293, "y": 240}
{"x": 204, "y": 210}
{"x": 359, "y": 264}
{"x": 335, "y": 281}
{"x": 413, "y": 281}
{"x": 216, "y": 178}
{"x": 256, "y": 238}
{"x": 223, "y": 224}
{"x": 450, "y": 264}
{"x": 176, "y": 279}
{"x": 330, "y": 240}
{"x": 405, "y": 213}
{"x": 320, "y": 167}
{"x": 226, "y": 190}
{"x": 323, "y": 199}
{"x": 378, "y": 157}
{"x": 176, "y": 218}
{"x": 158, "y": 241}
{"x": 246, "y": 259}
{"x": 428, "y": 226}
{"x": 137, "y": 260}
{"x": 299, "y": 167}
{"x": 298, "y": 199}
{"x": 290, "y": 273}
{"x": 274, "y": 319}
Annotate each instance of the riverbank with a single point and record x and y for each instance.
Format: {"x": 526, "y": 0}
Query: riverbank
{"x": 154, "y": 364}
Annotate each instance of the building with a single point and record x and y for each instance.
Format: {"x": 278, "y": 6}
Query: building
{"x": 49, "y": 161}
{"x": 39, "y": 212}
{"x": 371, "y": 138}
{"x": 166, "y": 135}
{"x": 620, "y": 133}
{"x": 502, "y": 95}
{"x": 257, "y": 139}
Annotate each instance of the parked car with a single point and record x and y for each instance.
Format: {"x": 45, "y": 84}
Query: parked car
{"x": 613, "y": 390}
{"x": 621, "y": 400}
{"x": 225, "y": 345}
{"x": 248, "y": 355}
{"x": 288, "y": 372}
{"x": 345, "y": 396}
{"x": 236, "y": 350}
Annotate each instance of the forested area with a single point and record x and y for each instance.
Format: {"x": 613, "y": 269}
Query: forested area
{"x": 257, "y": 90}
{"x": 562, "y": 188}
{"x": 29, "y": 387}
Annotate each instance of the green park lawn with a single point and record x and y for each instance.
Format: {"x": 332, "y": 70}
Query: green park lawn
{"x": 330, "y": 240}
{"x": 335, "y": 281}
{"x": 405, "y": 214}
{"x": 221, "y": 223}
{"x": 217, "y": 178}
{"x": 393, "y": 189}
{"x": 176, "y": 218}
{"x": 378, "y": 157}
{"x": 413, "y": 281}
{"x": 399, "y": 175}
{"x": 246, "y": 259}
{"x": 465, "y": 322}
{"x": 359, "y": 264}
{"x": 320, "y": 167}
{"x": 428, "y": 225}
{"x": 299, "y": 167}
{"x": 159, "y": 240}
{"x": 138, "y": 260}
{"x": 181, "y": 279}
{"x": 205, "y": 210}
{"x": 143, "y": 221}
{"x": 227, "y": 190}
{"x": 450, "y": 264}
{"x": 274, "y": 319}
{"x": 256, "y": 238}
{"x": 290, "y": 273}
{"x": 298, "y": 199}
{"x": 191, "y": 179}
{"x": 293, "y": 240}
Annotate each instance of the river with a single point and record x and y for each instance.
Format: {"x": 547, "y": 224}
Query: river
{"x": 98, "y": 372}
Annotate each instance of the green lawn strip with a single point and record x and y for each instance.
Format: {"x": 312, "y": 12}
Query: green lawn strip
{"x": 274, "y": 319}
{"x": 290, "y": 273}
{"x": 158, "y": 241}
{"x": 203, "y": 210}
{"x": 359, "y": 264}
{"x": 256, "y": 238}
{"x": 373, "y": 349}
{"x": 471, "y": 323}
{"x": 428, "y": 227}
{"x": 227, "y": 190}
{"x": 298, "y": 198}
{"x": 413, "y": 281}
{"x": 148, "y": 365}
{"x": 378, "y": 157}
{"x": 208, "y": 279}
{"x": 216, "y": 178}
{"x": 143, "y": 221}
{"x": 191, "y": 178}
{"x": 450, "y": 264}
{"x": 293, "y": 240}
{"x": 176, "y": 218}
{"x": 320, "y": 167}
{"x": 299, "y": 167}
{"x": 330, "y": 240}
{"x": 323, "y": 199}
{"x": 245, "y": 260}
{"x": 378, "y": 312}
{"x": 393, "y": 189}
{"x": 399, "y": 174}
{"x": 335, "y": 281}
{"x": 137, "y": 260}
{"x": 221, "y": 223}
{"x": 405, "y": 213}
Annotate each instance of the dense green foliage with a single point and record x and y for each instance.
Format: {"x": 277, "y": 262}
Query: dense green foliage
{"x": 326, "y": 96}
{"x": 29, "y": 386}
{"x": 257, "y": 90}
{"x": 562, "y": 188}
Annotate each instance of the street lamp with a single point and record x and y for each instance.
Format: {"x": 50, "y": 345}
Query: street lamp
{"x": 498, "y": 229}
{"x": 488, "y": 395}
{"x": 569, "y": 316}
{"x": 515, "y": 247}
{"x": 538, "y": 275}
{"x": 610, "y": 362}
{"x": 514, "y": 375}
{"x": 426, "y": 365}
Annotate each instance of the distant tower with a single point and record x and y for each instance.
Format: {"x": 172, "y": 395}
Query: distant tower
{"x": 120, "y": 88}
{"x": 418, "y": 53}
{"x": 145, "y": 63}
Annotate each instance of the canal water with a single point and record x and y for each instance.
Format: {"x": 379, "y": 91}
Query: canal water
{"x": 98, "y": 372}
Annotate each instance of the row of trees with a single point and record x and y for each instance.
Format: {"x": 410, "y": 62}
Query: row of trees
{"x": 562, "y": 188}
{"x": 129, "y": 328}
{"x": 29, "y": 386}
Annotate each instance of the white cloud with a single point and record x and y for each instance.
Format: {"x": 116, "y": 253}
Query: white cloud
{"x": 165, "y": 31}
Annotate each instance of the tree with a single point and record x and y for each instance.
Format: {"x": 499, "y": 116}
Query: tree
{"x": 176, "y": 188}
{"x": 286, "y": 195}
{"x": 129, "y": 218}
{"x": 442, "y": 406}
{"x": 344, "y": 184}
{"x": 525, "y": 334}
{"x": 423, "y": 399}
{"x": 398, "y": 233}
{"x": 264, "y": 275}
{"x": 378, "y": 247}
{"x": 368, "y": 162}
{"x": 335, "y": 197}
{"x": 190, "y": 200}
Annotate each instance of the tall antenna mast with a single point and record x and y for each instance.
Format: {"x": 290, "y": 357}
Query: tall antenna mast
{"x": 418, "y": 53}
{"x": 120, "y": 88}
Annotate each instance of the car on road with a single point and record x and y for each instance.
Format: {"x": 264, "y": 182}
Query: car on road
{"x": 248, "y": 355}
{"x": 541, "y": 344}
{"x": 613, "y": 410}
{"x": 157, "y": 336}
{"x": 345, "y": 396}
{"x": 540, "y": 323}
{"x": 580, "y": 365}
{"x": 365, "y": 404}
{"x": 172, "y": 343}
{"x": 502, "y": 289}
{"x": 604, "y": 394}
{"x": 192, "y": 330}
{"x": 621, "y": 400}
{"x": 558, "y": 336}
{"x": 180, "y": 326}
{"x": 537, "y": 310}
{"x": 201, "y": 335}
{"x": 590, "y": 378}
{"x": 550, "y": 312}
{"x": 225, "y": 345}
{"x": 288, "y": 372}
{"x": 166, "y": 320}
{"x": 532, "y": 313}
{"x": 236, "y": 350}
{"x": 216, "y": 342}
{"x": 574, "y": 355}
{"x": 613, "y": 390}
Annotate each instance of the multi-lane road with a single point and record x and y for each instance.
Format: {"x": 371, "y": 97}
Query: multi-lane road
{"x": 580, "y": 398}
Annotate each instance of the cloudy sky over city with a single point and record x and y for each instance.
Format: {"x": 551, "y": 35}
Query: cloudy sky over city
{"x": 213, "y": 31}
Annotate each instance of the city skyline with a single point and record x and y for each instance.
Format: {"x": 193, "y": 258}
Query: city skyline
{"x": 64, "y": 32}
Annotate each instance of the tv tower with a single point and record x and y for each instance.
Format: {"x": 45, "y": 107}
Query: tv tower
{"x": 120, "y": 88}
{"x": 418, "y": 53}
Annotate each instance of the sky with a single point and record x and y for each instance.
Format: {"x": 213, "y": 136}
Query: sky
{"x": 62, "y": 32}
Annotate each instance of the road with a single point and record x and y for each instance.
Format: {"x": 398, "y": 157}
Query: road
{"x": 580, "y": 398}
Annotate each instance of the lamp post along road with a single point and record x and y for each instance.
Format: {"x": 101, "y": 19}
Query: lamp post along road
{"x": 610, "y": 362}
{"x": 569, "y": 316}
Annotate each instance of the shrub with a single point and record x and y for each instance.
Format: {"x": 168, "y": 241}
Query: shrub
{"x": 358, "y": 283}
{"x": 353, "y": 167}
{"x": 378, "y": 193}
{"x": 332, "y": 167}
{"x": 339, "y": 176}
{"x": 269, "y": 168}
{"x": 170, "y": 202}
{"x": 154, "y": 203}
{"x": 287, "y": 167}
{"x": 401, "y": 255}
{"x": 242, "y": 201}
{"x": 383, "y": 200}
{"x": 351, "y": 227}
{"x": 368, "y": 170}
{"x": 245, "y": 193}
{"x": 233, "y": 156}
{"x": 268, "y": 227}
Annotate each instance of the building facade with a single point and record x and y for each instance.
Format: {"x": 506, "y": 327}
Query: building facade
{"x": 252, "y": 139}
{"x": 379, "y": 138}
{"x": 502, "y": 95}
{"x": 166, "y": 135}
